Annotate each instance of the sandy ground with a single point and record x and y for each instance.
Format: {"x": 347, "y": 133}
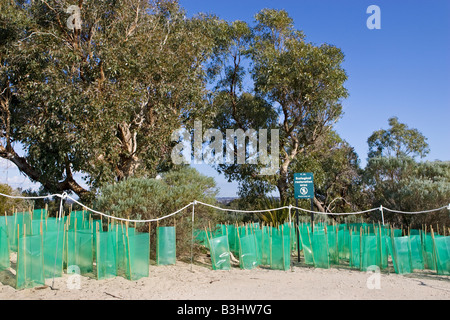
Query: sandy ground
{"x": 198, "y": 281}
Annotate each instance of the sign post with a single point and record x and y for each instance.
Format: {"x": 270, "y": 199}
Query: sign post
{"x": 303, "y": 189}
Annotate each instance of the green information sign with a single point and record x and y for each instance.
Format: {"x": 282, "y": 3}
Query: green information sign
{"x": 304, "y": 185}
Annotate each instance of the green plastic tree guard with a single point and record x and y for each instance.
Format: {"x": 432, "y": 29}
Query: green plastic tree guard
{"x": 258, "y": 238}
{"x": 233, "y": 239}
{"x": 401, "y": 249}
{"x": 79, "y": 250}
{"x": 53, "y": 248}
{"x": 442, "y": 253}
{"x": 30, "y": 262}
{"x": 319, "y": 244}
{"x": 428, "y": 252}
{"x": 369, "y": 252}
{"x": 383, "y": 253}
{"x": 220, "y": 253}
{"x": 344, "y": 243}
{"x": 247, "y": 252}
{"x": 280, "y": 253}
{"x": 137, "y": 255}
{"x": 4, "y": 248}
{"x": 265, "y": 245}
{"x": 355, "y": 250}
{"x": 166, "y": 246}
{"x": 39, "y": 214}
{"x": 106, "y": 258}
{"x": 333, "y": 250}
{"x": 415, "y": 247}
{"x": 306, "y": 245}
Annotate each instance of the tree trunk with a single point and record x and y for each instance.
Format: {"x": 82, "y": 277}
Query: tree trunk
{"x": 282, "y": 183}
{"x": 129, "y": 161}
{"x": 319, "y": 205}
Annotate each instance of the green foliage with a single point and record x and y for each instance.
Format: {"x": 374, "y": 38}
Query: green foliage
{"x": 132, "y": 198}
{"x": 397, "y": 141}
{"x": 394, "y": 179}
{"x": 102, "y": 101}
{"x": 406, "y": 185}
{"x": 298, "y": 89}
{"x": 337, "y": 175}
{"x": 52, "y": 205}
{"x": 273, "y": 218}
{"x": 146, "y": 199}
{"x": 8, "y": 204}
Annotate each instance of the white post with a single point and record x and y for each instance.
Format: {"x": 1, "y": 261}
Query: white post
{"x": 290, "y": 220}
{"x": 63, "y": 197}
{"x": 192, "y": 239}
{"x": 382, "y": 214}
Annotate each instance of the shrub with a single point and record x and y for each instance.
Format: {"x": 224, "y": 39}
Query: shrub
{"x": 8, "y": 204}
{"x": 146, "y": 199}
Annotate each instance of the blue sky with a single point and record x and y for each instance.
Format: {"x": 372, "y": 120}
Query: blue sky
{"x": 401, "y": 70}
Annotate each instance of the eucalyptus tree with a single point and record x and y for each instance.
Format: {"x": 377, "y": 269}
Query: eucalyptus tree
{"x": 395, "y": 178}
{"x": 298, "y": 88}
{"x": 238, "y": 108}
{"x": 397, "y": 141}
{"x": 98, "y": 87}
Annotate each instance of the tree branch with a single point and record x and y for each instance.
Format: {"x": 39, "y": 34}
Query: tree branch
{"x": 68, "y": 184}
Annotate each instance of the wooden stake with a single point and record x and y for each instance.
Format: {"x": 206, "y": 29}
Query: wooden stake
{"x": 123, "y": 241}
{"x": 117, "y": 247}
{"x": 270, "y": 243}
{"x": 25, "y": 251}
{"x": 18, "y": 253}
{"x": 310, "y": 243}
{"x": 211, "y": 249}
{"x": 381, "y": 244}
{"x": 97, "y": 241}
{"x": 282, "y": 246}
{"x": 435, "y": 253}
{"x": 149, "y": 240}
{"x": 129, "y": 257}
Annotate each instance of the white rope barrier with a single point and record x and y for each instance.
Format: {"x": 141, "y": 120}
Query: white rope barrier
{"x": 418, "y": 212}
{"x": 242, "y": 211}
{"x": 64, "y": 196}
{"x": 335, "y": 214}
{"x": 129, "y": 220}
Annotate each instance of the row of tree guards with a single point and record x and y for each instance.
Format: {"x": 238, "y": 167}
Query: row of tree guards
{"x": 77, "y": 243}
{"x": 361, "y": 246}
